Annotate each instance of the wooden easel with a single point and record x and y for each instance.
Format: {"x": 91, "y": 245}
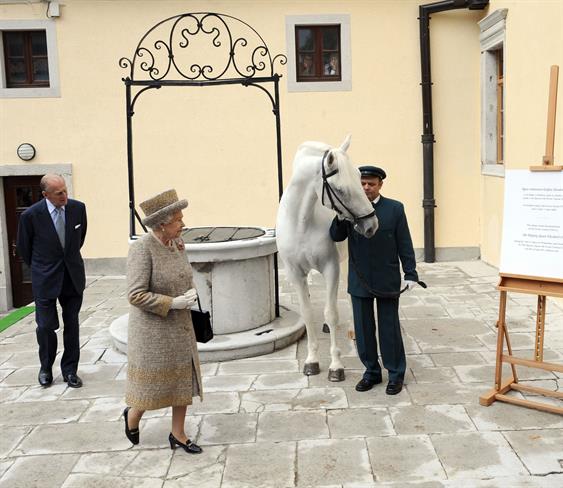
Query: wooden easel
{"x": 542, "y": 287}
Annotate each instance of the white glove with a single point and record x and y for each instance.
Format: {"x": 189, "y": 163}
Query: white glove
{"x": 180, "y": 303}
{"x": 408, "y": 284}
{"x": 191, "y": 296}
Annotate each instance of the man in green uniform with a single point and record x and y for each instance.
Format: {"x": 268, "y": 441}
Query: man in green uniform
{"x": 374, "y": 272}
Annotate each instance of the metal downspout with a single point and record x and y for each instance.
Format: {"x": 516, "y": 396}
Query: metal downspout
{"x": 427, "y": 139}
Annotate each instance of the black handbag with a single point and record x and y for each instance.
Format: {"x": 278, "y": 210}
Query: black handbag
{"x": 202, "y": 324}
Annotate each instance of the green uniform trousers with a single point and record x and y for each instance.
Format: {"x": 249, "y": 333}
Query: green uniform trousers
{"x": 390, "y": 339}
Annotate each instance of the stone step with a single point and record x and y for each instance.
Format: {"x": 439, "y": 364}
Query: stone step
{"x": 267, "y": 338}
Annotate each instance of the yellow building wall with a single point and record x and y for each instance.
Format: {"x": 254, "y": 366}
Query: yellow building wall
{"x": 455, "y": 75}
{"x": 216, "y": 145}
{"x": 534, "y": 42}
{"x": 491, "y": 202}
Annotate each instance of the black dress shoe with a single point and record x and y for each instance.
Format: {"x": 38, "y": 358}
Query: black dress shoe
{"x": 73, "y": 380}
{"x": 394, "y": 387}
{"x": 365, "y": 385}
{"x": 189, "y": 446}
{"x": 132, "y": 434}
{"x": 45, "y": 377}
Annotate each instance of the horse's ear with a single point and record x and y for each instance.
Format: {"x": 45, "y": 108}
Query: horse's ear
{"x": 346, "y": 144}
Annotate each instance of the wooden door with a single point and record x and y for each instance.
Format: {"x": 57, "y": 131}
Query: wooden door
{"x": 20, "y": 192}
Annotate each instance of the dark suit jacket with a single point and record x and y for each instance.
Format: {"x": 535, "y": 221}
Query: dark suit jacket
{"x": 39, "y": 246}
{"x": 377, "y": 258}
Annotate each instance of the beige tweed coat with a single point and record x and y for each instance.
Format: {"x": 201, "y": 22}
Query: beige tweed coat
{"x": 163, "y": 364}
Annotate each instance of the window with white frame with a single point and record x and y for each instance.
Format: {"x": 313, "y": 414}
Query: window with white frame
{"x": 318, "y": 53}
{"x": 28, "y": 59}
{"x": 492, "y": 39}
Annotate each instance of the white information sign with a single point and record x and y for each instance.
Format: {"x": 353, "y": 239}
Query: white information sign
{"x": 532, "y": 231}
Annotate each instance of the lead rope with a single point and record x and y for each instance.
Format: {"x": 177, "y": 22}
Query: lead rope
{"x": 377, "y": 293}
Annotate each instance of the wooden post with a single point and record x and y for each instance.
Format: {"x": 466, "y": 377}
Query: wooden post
{"x": 500, "y": 339}
{"x": 548, "y": 160}
{"x": 551, "y": 112}
{"x": 509, "y": 349}
{"x": 540, "y": 328}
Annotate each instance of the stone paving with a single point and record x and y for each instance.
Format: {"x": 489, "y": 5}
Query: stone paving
{"x": 264, "y": 424}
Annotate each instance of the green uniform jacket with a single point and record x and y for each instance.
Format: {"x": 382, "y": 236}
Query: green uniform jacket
{"x": 377, "y": 258}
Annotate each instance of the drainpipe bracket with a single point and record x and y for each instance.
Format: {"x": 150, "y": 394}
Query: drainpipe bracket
{"x": 429, "y": 203}
{"x": 427, "y": 138}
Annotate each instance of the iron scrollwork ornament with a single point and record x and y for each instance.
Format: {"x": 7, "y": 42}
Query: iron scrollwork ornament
{"x": 202, "y": 46}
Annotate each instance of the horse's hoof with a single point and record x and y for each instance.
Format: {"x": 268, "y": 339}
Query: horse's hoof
{"x": 326, "y": 329}
{"x": 311, "y": 369}
{"x": 336, "y": 374}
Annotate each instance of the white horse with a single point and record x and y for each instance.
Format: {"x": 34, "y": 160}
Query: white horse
{"x": 324, "y": 181}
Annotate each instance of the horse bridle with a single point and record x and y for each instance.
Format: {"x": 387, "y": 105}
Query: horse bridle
{"x": 332, "y": 195}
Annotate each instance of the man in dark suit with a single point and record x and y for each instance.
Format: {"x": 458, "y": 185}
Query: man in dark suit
{"x": 50, "y": 235}
{"x": 373, "y": 271}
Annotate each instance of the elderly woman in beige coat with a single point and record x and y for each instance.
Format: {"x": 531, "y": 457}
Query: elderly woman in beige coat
{"x": 163, "y": 364}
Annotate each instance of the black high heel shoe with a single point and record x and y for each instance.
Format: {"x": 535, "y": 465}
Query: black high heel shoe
{"x": 132, "y": 434}
{"x": 189, "y": 446}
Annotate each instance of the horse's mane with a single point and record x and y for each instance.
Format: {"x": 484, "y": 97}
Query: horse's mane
{"x": 313, "y": 148}
{"x": 308, "y": 154}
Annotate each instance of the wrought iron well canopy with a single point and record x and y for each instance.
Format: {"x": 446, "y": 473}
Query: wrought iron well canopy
{"x": 171, "y": 53}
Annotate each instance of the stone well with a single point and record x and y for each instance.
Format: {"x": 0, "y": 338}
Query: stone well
{"x": 234, "y": 276}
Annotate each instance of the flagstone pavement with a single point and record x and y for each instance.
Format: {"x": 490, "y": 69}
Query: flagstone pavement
{"x": 264, "y": 424}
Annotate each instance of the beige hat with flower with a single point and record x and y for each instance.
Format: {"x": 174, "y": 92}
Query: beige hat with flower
{"x": 160, "y": 206}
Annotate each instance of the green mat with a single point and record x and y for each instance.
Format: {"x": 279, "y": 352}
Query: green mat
{"x": 16, "y": 315}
